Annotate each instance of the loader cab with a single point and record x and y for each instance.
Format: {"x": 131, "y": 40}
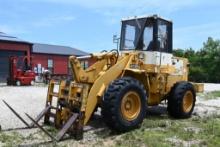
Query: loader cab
{"x": 150, "y": 33}
{"x": 151, "y": 36}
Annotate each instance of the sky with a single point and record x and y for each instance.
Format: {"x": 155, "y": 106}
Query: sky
{"x": 89, "y": 25}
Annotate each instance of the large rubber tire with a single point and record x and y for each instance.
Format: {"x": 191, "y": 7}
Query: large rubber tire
{"x": 113, "y": 112}
{"x": 181, "y": 100}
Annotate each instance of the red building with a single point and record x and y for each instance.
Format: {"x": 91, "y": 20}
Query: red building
{"x": 53, "y": 58}
{"x": 40, "y": 57}
{"x": 11, "y": 46}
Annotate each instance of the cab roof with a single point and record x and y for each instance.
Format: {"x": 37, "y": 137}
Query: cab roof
{"x": 155, "y": 16}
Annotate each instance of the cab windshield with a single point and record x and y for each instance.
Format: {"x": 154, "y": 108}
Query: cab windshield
{"x": 146, "y": 34}
{"x": 131, "y": 32}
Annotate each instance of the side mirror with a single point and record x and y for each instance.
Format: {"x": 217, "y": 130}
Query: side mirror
{"x": 116, "y": 40}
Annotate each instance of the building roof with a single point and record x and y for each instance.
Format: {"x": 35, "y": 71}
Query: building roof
{"x": 6, "y": 37}
{"x": 57, "y": 49}
{"x": 45, "y": 48}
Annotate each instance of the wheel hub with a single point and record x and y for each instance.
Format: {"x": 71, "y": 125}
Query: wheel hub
{"x": 130, "y": 106}
{"x": 187, "y": 101}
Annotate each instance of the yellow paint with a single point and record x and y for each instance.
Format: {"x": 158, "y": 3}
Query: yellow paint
{"x": 187, "y": 102}
{"x": 199, "y": 87}
{"x": 110, "y": 75}
{"x": 153, "y": 99}
{"x": 130, "y": 106}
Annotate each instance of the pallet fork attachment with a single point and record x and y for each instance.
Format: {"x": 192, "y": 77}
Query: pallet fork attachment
{"x": 60, "y": 115}
{"x": 46, "y": 132}
{"x": 35, "y": 121}
{"x": 61, "y": 133}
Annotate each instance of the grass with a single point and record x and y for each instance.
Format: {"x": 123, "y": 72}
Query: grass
{"x": 167, "y": 132}
{"x": 215, "y": 93}
{"x": 159, "y": 131}
{"x": 210, "y": 95}
{"x": 11, "y": 139}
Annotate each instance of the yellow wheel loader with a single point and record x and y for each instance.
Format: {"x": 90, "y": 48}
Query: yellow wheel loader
{"x": 123, "y": 83}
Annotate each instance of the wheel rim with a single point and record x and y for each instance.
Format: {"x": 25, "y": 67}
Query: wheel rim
{"x": 188, "y": 101}
{"x": 32, "y": 83}
{"x": 130, "y": 106}
{"x": 18, "y": 83}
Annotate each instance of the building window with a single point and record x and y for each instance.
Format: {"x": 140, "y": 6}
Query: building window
{"x": 50, "y": 65}
{"x": 84, "y": 64}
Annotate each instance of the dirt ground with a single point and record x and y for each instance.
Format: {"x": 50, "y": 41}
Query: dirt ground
{"x": 31, "y": 99}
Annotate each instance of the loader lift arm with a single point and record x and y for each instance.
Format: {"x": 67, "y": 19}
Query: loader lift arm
{"x": 100, "y": 74}
{"x": 99, "y": 86}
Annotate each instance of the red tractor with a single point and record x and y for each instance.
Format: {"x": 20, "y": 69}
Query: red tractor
{"x": 20, "y": 72}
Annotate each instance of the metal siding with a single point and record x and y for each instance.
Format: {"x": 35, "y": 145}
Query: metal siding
{"x": 91, "y": 61}
{"x": 39, "y": 59}
{"x": 60, "y": 63}
{"x": 4, "y": 62}
{"x": 12, "y": 46}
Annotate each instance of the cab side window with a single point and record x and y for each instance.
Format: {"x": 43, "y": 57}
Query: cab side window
{"x": 163, "y": 36}
{"x": 148, "y": 38}
{"x": 130, "y": 37}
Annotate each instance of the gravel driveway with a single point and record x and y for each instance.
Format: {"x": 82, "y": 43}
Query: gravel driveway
{"x": 29, "y": 99}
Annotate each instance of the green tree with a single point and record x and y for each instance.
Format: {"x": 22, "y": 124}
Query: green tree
{"x": 204, "y": 63}
{"x": 211, "y": 59}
